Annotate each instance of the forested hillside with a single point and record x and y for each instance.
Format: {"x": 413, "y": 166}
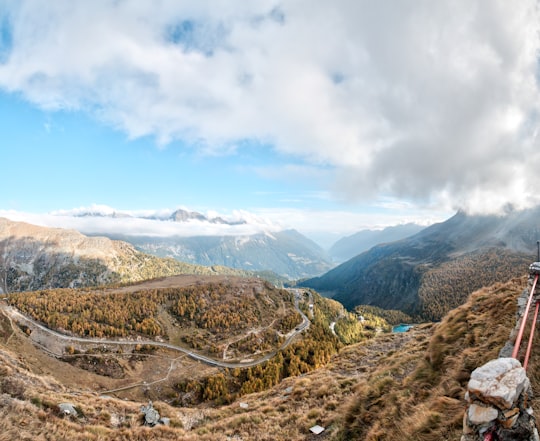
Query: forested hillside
{"x": 207, "y": 316}
{"x": 229, "y": 320}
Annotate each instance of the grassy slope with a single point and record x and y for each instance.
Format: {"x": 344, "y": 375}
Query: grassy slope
{"x": 394, "y": 387}
{"x": 427, "y": 404}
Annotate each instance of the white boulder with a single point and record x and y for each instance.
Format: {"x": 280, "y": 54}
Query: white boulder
{"x": 499, "y": 382}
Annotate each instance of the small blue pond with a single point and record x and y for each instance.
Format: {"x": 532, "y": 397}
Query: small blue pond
{"x": 401, "y": 328}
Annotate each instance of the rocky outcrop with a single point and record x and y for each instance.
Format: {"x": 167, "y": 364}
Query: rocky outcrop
{"x": 152, "y": 417}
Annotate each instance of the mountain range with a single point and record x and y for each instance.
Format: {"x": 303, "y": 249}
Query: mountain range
{"x": 424, "y": 275}
{"x": 436, "y": 269}
{"x": 287, "y": 253}
{"x": 358, "y": 393}
{"x": 192, "y": 237}
{"x": 179, "y": 215}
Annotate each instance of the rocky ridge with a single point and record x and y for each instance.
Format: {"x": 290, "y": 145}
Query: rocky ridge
{"x": 33, "y": 257}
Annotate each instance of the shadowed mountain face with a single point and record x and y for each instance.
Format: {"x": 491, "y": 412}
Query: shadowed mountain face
{"x": 435, "y": 270}
{"x": 33, "y": 257}
{"x": 350, "y": 246}
{"x": 287, "y": 253}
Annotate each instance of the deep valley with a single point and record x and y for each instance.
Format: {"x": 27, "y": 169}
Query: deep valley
{"x": 230, "y": 356}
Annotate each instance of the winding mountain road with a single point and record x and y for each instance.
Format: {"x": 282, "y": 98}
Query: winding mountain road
{"x": 14, "y": 314}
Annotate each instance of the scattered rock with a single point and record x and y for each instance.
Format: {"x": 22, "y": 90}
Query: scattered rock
{"x": 482, "y": 415}
{"x": 68, "y": 409}
{"x": 117, "y": 420}
{"x": 498, "y": 395}
{"x": 151, "y": 415}
{"x": 317, "y": 429}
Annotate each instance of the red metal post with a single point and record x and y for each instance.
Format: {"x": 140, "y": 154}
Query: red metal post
{"x": 524, "y": 319}
{"x": 529, "y": 345}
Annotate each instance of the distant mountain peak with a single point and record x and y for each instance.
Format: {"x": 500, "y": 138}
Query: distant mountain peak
{"x": 182, "y": 215}
{"x": 114, "y": 214}
{"x": 350, "y": 246}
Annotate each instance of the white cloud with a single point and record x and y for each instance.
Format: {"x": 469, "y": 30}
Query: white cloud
{"x": 292, "y": 172}
{"x": 137, "y": 223}
{"x": 325, "y": 226}
{"x": 430, "y": 101}
{"x": 342, "y": 223}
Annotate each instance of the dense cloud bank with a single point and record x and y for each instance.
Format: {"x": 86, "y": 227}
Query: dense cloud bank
{"x": 434, "y": 102}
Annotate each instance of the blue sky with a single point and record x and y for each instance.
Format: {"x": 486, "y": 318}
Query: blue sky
{"x": 306, "y": 114}
{"x": 63, "y": 159}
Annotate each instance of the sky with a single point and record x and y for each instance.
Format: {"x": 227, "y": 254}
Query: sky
{"x": 327, "y": 117}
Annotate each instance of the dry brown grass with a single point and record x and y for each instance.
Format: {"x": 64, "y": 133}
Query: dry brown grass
{"x": 277, "y": 414}
{"x": 395, "y": 387}
{"x": 427, "y": 404}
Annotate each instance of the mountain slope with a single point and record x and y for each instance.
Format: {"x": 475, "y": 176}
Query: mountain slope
{"x": 287, "y": 253}
{"x": 350, "y": 246}
{"x": 389, "y": 388}
{"x": 422, "y": 397}
{"x": 33, "y": 257}
{"x": 435, "y": 270}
